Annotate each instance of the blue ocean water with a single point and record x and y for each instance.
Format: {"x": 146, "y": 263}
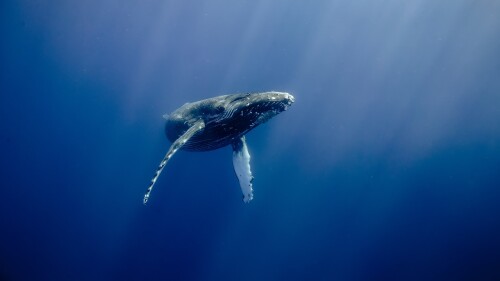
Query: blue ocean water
{"x": 387, "y": 167}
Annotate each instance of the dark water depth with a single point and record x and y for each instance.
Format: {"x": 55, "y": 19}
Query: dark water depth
{"x": 387, "y": 167}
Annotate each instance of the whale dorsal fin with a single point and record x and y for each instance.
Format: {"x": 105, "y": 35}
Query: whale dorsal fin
{"x": 197, "y": 126}
{"x": 241, "y": 164}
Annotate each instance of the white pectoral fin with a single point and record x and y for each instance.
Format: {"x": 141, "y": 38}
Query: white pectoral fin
{"x": 241, "y": 164}
{"x": 198, "y": 126}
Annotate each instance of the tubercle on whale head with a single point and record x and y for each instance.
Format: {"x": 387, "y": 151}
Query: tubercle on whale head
{"x": 260, "y": 107}
{"x": 274, "y": 96}
{"x": 267, "y": 101}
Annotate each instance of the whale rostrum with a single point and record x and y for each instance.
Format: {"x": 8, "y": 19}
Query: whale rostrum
{"x": 220, "y": 121}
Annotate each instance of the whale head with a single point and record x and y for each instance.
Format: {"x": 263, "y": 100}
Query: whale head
{"x": 258, "y": 108}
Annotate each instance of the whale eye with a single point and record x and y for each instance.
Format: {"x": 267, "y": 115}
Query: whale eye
{"x": 211, "y": 112}
{"x": 219, "y": 109}
{"x": 240, "y": 97}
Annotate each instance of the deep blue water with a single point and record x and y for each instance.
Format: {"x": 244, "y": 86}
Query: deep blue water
{"x": 387, "y": 167}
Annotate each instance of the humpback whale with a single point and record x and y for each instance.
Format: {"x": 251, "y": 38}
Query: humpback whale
{"x": 220, "y": 121}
